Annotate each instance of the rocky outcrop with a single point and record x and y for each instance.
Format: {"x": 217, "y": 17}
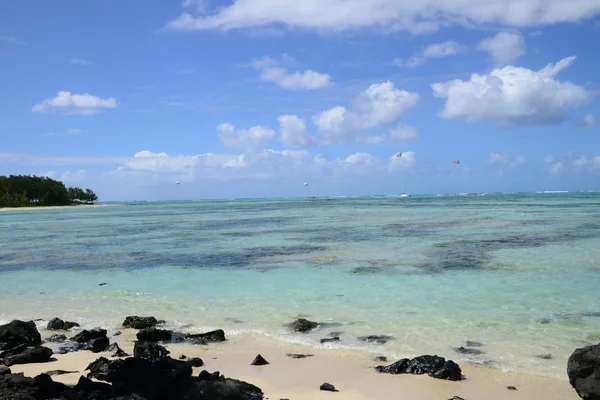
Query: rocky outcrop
{"x": 94, "y": 340}
{"x": 135, "y": 322}
{"x": 195, "y": 362}
{"x": 86, "y": 336}
{"x": 583, "y": 368}
{"x": 154, "y": 335}
{"x": 37, "y": 354}
{"x": 57, "y": 338}
{"x": 208, "y": 337}
{"x": 434, "y": 366}
{"x": 57, "y": 324}
{"x": 116, "y": 351}
{"x": 19, "y": 332}
{"x": 303, "y": 325}
{"x": 150, "y": 351}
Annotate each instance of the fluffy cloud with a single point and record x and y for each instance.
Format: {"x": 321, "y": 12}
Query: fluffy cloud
{"x": 245, "y": 140}
{"x": 505, "y": 159}
{"x": 271, "y": 71}
{"x": 293, "y": 132}
{"x": 435, "y": 50}
{"x": 406, "y": 161}
{"x": 589, "y": 121}
{"x": 512, "y": 96}
{"x": 380, "y": 105}
{"x": 81, "y": 104}
{"x": 383, "y": 15}
{"x": 504, "y": 48}
{"x": 590, "y": 163}
{"x": 398, "y": 133}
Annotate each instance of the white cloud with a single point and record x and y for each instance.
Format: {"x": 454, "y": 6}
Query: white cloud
{"x": 81, "y": 104}
{"x": 435, "y": 50}
{"x": 380, "y": 105}
{"x": 504, "y": 48}
{"x": 245, "y": 140}
{"x": 512, "y": 96}
{"x": 503, "y": 159}
{"x": 383, "y": 15}
{"x": 79, "y": 61}
{"x": 593, "y": 163}
{"x": 556, "y": 167}
{"x": 69, "y": 132}
{"x": 589, "y": 121}
{"x": 271, "y": 71}
{"x": 406, "y": 161}
{"x": 11, "y": 39}
{"x": 294, "y": 132}
{"x": 398, "y": 133}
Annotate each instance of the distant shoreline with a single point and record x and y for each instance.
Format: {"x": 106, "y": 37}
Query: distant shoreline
{"x": 55, "y": 207}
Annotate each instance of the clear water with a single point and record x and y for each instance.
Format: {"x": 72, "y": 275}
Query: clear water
{"x": 519, "y": 273}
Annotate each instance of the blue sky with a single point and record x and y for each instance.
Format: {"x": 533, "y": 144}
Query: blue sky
{"x": 251, "y": 98}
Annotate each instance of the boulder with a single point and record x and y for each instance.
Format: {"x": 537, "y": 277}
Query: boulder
{"x": 434, "y": 366}
{"x": 18, "y": 332}
{"x": 303, "y": 325}
{"x": 195, "y": 362}
{"x": 464, "y": 350}
{"x": 97, "y": 345}
{"x": 57, "y": 324}
{"x": 15, "y": 350}
{"x": 209, "y": 386}
{"x": 87, "y": 386}
{"x": 583, "y": 368}
{"x": 37, "y": 354}
{"x": 154, "y": 335}
{"x": 135, "y": 322}
{"x": 85, "y": 335}
{"x": 329, "y": 340}
{"x": 150, "y": 351}
{"x": 56, "y": 338}
{"x": 4, "y": 370}
{"x": 116, "y": 351}
{"x": 208, "y": 337}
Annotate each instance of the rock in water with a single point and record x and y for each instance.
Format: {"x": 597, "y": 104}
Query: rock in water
{"x": 329, "y": 340}
{"x": 259, "y": 360}
{"x": 97, "y": 345}
{"x": 328, "y": 387}
{"x": 150, "y": 351}
{"x": 472, "y": 343}
{"x": 139, "y": 322}
{"x": 208, "y": 337}
{"x": 18, "y": 332}
{"x": 56, "y": 338}
{"x": 303, "y": 325}
{"x": 57, "y": 324}
{"x": 379, "y": 339}
{"x": 434, "y": 366}
{"x": 30, "y": 355}
{"x": 464, "y": 350}
{"x": 583, "y": 368}
{"x": 154, "y": 335}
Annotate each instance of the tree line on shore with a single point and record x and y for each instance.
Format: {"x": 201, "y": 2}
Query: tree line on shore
{"x": 27, "y": 191}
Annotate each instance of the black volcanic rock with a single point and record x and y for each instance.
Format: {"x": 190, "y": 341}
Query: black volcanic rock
{"x": 208, "y": 337}
{"x": 37, "y": 354}
{"x": 434, "y": 366}
{"x": 97, "y": 345}
{"x": 259, "y": 360}
{"x": 18, "y": 332}
{"x": 57, "y": 338}
{"x": 583, "y": 368}
{"x": 195, "y": 362}
{"x": 116, "y": 351}
{"x": 150, "y": 351}
{"x": 303, "y": 325}
{"x": 57, "y": 324}
{"x": 464, "y": 350}
{"x": 299, "y": 355}
{"x": 329, "y": 340}
{"x": 379, "y": 339}
{"x": 139, "y": 322}
{"x": 85, "y": 335}
{"x": 154, "y": 335}
{"x": 328, "y": 387}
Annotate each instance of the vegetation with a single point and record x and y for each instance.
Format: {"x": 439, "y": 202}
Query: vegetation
{"x": 27, "y": 191}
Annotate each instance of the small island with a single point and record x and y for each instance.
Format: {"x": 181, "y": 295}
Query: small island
{"x": 37, "y": 191}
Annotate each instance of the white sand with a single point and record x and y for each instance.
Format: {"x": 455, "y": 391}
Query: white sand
{"x": 55, "y": 207}
{"x": 350, "y": 372}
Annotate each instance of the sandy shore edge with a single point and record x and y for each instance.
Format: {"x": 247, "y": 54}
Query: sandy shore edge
{"x": 80, "y": 206}
{"x": 351, "y": 372}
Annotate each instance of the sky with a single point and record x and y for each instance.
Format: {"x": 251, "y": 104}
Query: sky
{"x": 253, "y": 98}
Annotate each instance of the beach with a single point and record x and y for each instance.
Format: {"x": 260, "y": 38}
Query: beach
{"x": 504, "y": 285}
{"x": 79, "y": 206}
{"x": 351, "y": 373}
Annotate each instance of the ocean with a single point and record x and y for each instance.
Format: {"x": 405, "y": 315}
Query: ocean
{"x": 519, "y": 273}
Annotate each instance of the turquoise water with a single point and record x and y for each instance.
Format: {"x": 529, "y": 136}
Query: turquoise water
{"x": 519, "y": 273}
